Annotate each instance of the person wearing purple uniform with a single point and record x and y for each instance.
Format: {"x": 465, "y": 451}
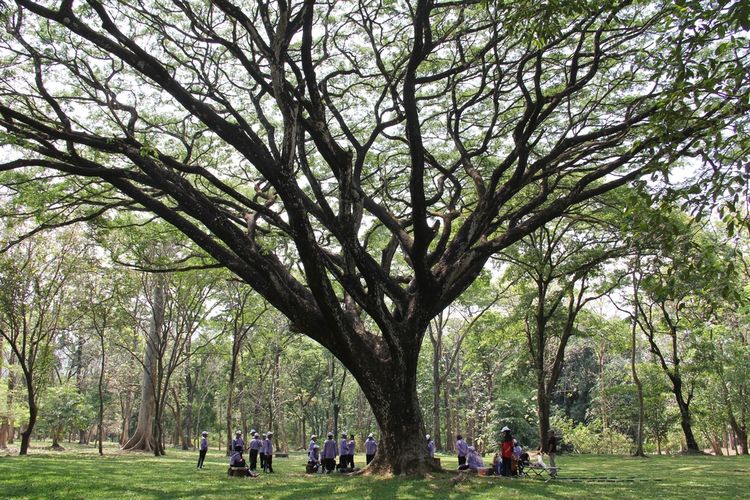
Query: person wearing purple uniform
{"x": 430, "y": 446}
{"x": 203, "y": 449}
{"x": 351, "y": 448}
{"x": 462, "y": 448}
{"x": 344, "y": 449}
{"x": 262, "y": 452}
{"x": 313, "y": 453}
{"x": 371, "y": 448}
{"x": 474, "y": 461}
{"x": 268, "y": 451}
{"x": 330, "y": 450}
{"x": 238, "y": 444}
{"x": 254, "y": 449}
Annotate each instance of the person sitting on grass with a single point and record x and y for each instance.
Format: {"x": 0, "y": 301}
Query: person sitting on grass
{"x": 313, "y": 452}
{"x": 473, "y": 461}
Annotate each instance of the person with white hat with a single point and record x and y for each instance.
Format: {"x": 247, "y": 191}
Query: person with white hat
{"x": 371, "y": 448}
{"x": 330, "y": 451}
{"x": 255, "y": 445}
{"x": 430, "y": 446}
{"x": 268, "y": 451}
{"x": 238, "y": 444}
{"x": 344, "y": 452}
{"x": 203, "y": 449}
{"x": 462, "y": 448}
{"x": 506, "y": 451}
{"x": 313, "y": 452}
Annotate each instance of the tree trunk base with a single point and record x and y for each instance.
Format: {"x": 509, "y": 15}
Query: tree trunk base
{"x": 56, "y": 447}
{"x": 416, "y": 468}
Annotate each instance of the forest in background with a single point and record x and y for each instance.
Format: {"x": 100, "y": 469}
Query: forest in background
{"x": 587, "y": 322}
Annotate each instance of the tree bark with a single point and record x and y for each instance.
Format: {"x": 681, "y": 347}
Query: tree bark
{"x": 33, "y": 412}
{"x": 143, "y": 437}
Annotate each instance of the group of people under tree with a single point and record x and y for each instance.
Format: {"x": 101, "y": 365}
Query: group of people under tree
{"x": 324, "y": 460}
{"x": 507, "y": 460}
{"x": 259, "y": 447}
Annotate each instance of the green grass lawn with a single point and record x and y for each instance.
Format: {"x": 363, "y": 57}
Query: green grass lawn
{"x": 80, "y": 473}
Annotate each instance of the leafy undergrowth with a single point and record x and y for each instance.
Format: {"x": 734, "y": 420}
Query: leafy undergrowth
{"x": 79, "y": 472}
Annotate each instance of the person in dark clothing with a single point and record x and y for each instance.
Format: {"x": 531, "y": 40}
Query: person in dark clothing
{"x": 506, "y": 451}
{"x": 552, "y": 451}
{"x": 203, "y": 449}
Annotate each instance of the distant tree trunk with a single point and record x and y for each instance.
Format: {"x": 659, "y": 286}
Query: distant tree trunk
{"x": 437, "y": 349}
{"x": 448, "y": 421}
{"x": 187, "y": 417}
{"x": 143, "y": 438}
{"x": 79, "y": 381}
{"x": 6, "y": 425}
{"x": 639, "y": 386}
{"x": 33, "y": 413}
{"x": 100, "y": 424}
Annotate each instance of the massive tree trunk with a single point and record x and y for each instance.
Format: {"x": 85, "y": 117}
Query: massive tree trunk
{"x": 393, "y": 397}
{"x": 143, "y": 437}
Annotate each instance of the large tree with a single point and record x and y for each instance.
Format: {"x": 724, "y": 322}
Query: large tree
{"x": 388, "y": 148}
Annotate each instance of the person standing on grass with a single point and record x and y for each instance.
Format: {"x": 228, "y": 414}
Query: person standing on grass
{"x": 430, "y": 446}
{"x": 552, "y": 451}
{"x": 344, "y": 449}
{"x": 238, "y": 444}
{"x": 506, "y": 451}
{"x": 203, "y": 449}
{"x": 268, "y": 451}
{"x": 371, "y": 448}
{"x": 254, "y": 449}
{"x": 350, "y": 449}
{"x": 330, "y": 450}
{"x": 462, "y": 448}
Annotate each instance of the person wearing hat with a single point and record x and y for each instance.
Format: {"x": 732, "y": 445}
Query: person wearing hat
{"x": 254, "y": 449}
{"x": 330, "y": 450}
{"x": 371, "y": 448}
{"x": 350, "y": 447}
{"x": 506, "y": 451}
{"x": 238, "y": 444}
{"x": 203, "y": 449}
{"x": 313, "y": 453}
{"x": 268, "y": 451}
{"x": 344, "y": 449}
{"x": 462, "y": 448}
{"x": 430, "y": 446}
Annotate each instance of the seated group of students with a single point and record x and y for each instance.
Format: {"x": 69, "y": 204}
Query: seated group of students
{"x": 509, "y": 460}
{"x": 324, "y": 461}
{"x": 258, "y": 446}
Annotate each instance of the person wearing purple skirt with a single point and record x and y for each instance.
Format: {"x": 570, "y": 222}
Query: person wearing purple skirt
{"x": 254, "y": 450}
{"x": 371, "y": 448}
{"x": 330, "y": 450}
{"x": 344, "y": 449}
{"x": 462, "y": 448}
{"x": 268, "y": 451}
{"x": 203, "y": 449}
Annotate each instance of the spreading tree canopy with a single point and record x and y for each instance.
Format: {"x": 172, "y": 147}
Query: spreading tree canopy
{"x": 357, "y": 163}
